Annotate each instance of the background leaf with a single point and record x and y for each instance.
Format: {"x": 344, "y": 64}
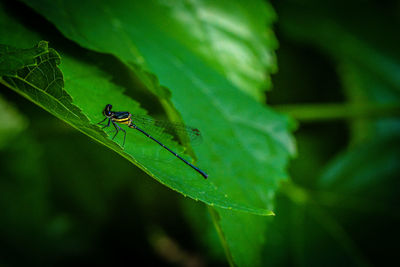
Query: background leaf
{"x": 12, "y": 122}
{"x": 341, "y": 202}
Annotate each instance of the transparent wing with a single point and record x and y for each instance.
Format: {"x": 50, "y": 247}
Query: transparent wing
{"x": 164, "y": 129}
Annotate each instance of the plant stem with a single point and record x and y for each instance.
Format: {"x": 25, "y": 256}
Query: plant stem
{"x": 325, "y": 112}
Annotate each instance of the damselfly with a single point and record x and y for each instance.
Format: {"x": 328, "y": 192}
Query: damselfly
{"x": 124, "y": 117}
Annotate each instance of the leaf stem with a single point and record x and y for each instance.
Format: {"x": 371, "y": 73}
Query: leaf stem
{"x": 338, "y": 111}
{"x": 215, "y": 218}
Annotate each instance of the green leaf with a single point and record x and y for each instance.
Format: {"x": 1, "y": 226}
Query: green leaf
{"x": 363, "y": 86}
{"x": 235, "y": 127}
{"x": 223, "y": 34}
{"x": 43, "y": 84}
{"x": 244, "y": 235}
{"x": 366, "y": 165}
{"x": 91, "y": 90}
{"x": 246, "y": 146}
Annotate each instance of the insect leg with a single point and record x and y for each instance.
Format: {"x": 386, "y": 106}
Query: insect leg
{"x": 108, "y": 124}
{"x": 102, "y": 121}
{"x": 119, "y": 128}
{"x": 116, "y": 129}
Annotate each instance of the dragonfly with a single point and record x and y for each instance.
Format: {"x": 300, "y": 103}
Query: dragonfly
{"x": 124, "y": 117}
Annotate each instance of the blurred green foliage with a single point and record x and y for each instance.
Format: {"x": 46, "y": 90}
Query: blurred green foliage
{"x": 66, "y": 200}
